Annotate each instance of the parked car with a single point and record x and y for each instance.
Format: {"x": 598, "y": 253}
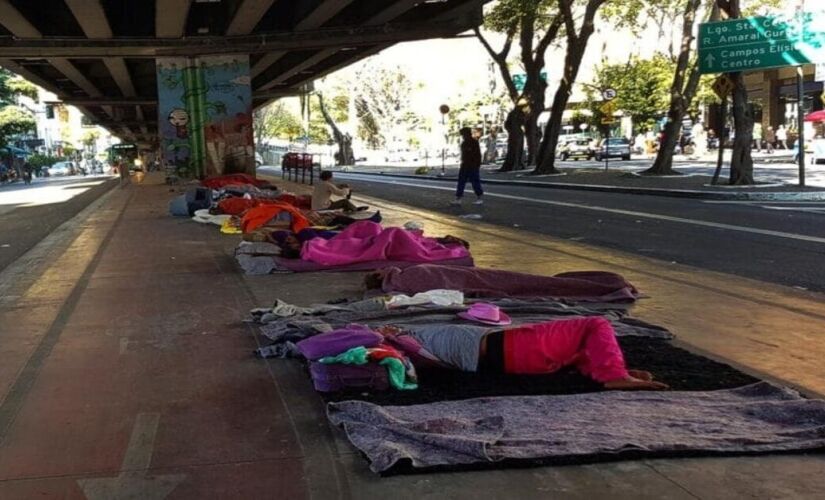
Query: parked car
{"x": 259, "y": 160}
{"x": 615, "y": 147}
{"x": 576, "y": 149}
{"x": 62, "y": 169}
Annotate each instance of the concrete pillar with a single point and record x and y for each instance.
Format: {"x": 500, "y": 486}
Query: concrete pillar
{"x": 205, "y": 115}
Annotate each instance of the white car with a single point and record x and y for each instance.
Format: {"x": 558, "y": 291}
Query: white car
{"x": 62, "y": 168}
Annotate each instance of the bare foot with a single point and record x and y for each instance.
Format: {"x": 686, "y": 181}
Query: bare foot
{"x": 641, "y": 375}
{"x": 631, "y": 383}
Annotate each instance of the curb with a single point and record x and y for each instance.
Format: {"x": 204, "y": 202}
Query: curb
{"x": 674, "y": 193}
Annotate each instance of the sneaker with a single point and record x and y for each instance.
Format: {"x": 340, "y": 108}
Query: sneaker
{"x": 478, "y": 202}
{"x": 456, "y": 203}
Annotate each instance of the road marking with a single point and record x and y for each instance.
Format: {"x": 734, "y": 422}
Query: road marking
{"x": 758, "y": 202}
{"x": 795, "y": 209}
{"x": 132, "y": 481}
{"x": 596, "y": 208}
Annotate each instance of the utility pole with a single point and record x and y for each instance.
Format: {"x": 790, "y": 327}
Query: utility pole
{"x": 800, "y": 106}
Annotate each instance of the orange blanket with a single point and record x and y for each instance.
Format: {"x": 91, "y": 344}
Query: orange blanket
{"x": 260, "y": 215}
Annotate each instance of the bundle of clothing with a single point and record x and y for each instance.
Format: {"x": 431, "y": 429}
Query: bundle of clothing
{"x": 356, "y": 357}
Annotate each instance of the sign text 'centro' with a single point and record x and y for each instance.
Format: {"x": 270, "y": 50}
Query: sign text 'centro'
{"x": 761, "y": 42}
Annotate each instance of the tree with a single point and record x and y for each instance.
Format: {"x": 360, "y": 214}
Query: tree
{"x": 537, "y": 25}
{"x": 383, "y": 103}
{"x": 741, "y": 165}
{"x": 14, "y": 120}
{"x": 577, "y": 38}
{"x": 686, "y": 79}
{"x": 90, "y": 138}
{"x": 642, "y": 86}
{"x": 344, "y": 156}
{"x": 275, "y": 120}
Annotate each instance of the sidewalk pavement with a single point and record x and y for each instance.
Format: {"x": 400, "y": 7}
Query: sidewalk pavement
{"x": 126, "y": 372}
{"x": 623, "y": 178}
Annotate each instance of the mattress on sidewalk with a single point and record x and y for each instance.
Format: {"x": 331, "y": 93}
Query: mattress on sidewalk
{"x": 534, "y": 430}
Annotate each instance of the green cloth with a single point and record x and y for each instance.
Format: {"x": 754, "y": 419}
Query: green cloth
{"x": 397, "y": 374}
{"x": 354, "y": 356}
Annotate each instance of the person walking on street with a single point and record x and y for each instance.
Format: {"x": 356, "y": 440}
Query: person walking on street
{"x": 782, "y": 137}
{"x": 770, "y": 140}
{"x": 757, "y": 137}
{"x": 470, "y": 169}
{"x": 123, "y": 170}
{"x": 27, "y": 173}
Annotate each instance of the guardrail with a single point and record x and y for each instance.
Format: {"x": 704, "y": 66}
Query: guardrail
{"x": 294, "y": 164}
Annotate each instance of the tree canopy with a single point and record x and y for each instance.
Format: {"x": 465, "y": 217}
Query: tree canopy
{"x": 14, "y": 119}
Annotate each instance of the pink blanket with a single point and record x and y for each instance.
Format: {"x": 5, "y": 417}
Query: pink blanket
{"x": 592, "y": 286}
{"x": 368, "y": 241}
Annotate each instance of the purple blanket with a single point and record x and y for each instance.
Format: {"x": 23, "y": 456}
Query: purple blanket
{"x": 590, "y": 286}
{"x": 759, "y": 418}
{"x": 366, "y": 241}
{"x": 302, "y": 266}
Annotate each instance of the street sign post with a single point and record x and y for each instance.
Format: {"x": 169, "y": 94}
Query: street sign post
{"x": 608, "y": 109}
{"x": 764, "y": 42}
{"x": 761, "y": 42}
{"x": 723, "y": 86}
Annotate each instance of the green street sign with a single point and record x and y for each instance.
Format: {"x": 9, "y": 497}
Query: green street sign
{"x": 520, "y": 79}
{"x": 761, "y": 42}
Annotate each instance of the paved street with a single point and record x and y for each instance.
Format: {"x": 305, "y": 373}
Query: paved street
{"x": 774, "y": 168}
{"x": 777, "y": 242}
{"x": 30, "y": 213}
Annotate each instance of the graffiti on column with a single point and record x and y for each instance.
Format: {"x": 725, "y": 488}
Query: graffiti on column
{"x": 205, "y": 111}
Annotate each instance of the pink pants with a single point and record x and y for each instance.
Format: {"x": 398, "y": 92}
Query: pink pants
{"x": 588, "y": 343}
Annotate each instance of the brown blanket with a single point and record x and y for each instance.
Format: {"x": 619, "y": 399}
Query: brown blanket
{"x": 589, "y": 286}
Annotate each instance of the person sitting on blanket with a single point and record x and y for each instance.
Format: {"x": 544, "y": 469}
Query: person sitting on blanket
{"x": 324, "y": 191}
{"x": 589, "y": 344}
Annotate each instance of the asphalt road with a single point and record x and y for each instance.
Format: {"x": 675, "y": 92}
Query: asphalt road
{"x": 29, "y": 213}
{"x": 776, "y": 242}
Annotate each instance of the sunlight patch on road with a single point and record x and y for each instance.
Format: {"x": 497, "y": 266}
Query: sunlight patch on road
{"x": 45, "y": 193}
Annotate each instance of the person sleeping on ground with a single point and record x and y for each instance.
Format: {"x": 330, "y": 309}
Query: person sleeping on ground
{"x": 366, "y": 241}
{"x": 479, "y": 282}
{"x": 589, "y": 344}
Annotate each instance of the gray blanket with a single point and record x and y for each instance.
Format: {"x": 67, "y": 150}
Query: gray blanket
{"x": 758, "y": 418}
{"x": 297, "y": 327}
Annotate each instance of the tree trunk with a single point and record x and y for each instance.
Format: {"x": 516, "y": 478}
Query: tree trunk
{"x": 741, "y": 165}
{"x": 531, "y": 126}
{"x": 664, "y": 157}
{"x": 531, "y": 133}
{"x": 515, "y": 140}
{"x": 344, "y": 141}
{"x": 546, "y": 161}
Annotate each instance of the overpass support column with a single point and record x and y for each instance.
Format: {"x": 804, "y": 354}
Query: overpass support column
{"x": 205, "y": 115}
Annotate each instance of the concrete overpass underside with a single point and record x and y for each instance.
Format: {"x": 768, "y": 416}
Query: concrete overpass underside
{"x": 100, "y": 55}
